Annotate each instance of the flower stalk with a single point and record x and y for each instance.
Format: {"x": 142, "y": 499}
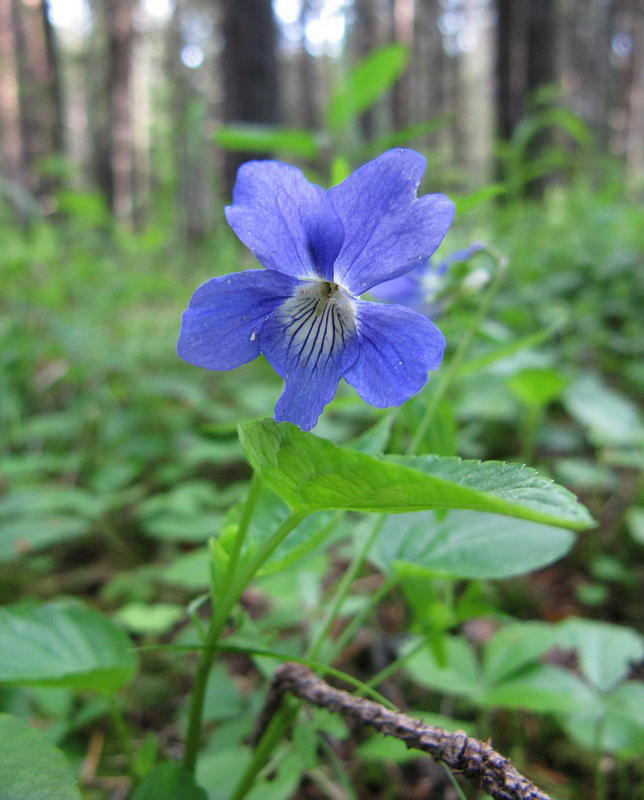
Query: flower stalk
{"x": 236, "y": 580}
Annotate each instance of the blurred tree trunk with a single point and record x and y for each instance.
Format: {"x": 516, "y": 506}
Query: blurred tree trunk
{"x": 541, "y": 59}
{"x": 10, "y": 140}
{"x": 525, "y": 61}
{"x": 250, "y": 70}
{"x": 475, "y": 101}
{"x": 402, "y": 27}
{"x": 434, "y": 82}
{"x": 32, "y": 87}
{"x": 633, "y": 21}
{"x": 109, "y": 75}
{"x": 95, "y": 65}
{"x": 56, "y": 90}
{"x": 308, "y": 85}
{"x": 511, "y": 64}
{"x": 525, "y": 56}
{"x": 121, "y": 140}
{"x": 371, "y": 28}
{"x": 592, "y": 73}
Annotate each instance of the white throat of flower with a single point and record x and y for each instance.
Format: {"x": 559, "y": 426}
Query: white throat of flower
{"x": 318, "y": 321}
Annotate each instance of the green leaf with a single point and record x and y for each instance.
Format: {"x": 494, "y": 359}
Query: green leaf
{"x": 611, "y": 724}
{"x": 267, "y": 139}
{"x": 18, "y": 537}
{"x": 585, "y": 474}
{"x": 365, "y": 84}
{"x": 635, "y": 523}
{"x": 374, "y": 440}
{"x": 46, "y": 499}
{"x": 282, "y": 783}
{"x": 340, "y": 170}
{"x": 402, "y": 136}
{"x": 31, "y": 768}
{"x": 495, "y": 354}
{"x": 464, "y": 204}
{"x": 169, "y": 781}
{"x": 468, "y": 544}
{"x": 611, "y": 418}
{"x": 305, "y": 741}
{"x": 515, "y": 646}
{"x": 561, "y": 118}
{"x": 223, "y": 699}
{"x": 536, "y": 387}
{"x": 155, "y": 618}
{"x": 544, "y": 688}
{"x": 188, "y": 512}
{"x": 58, "y": 645}
{"x": 606, "y": 652}
{"x": 459, "y": 675}
{"x": 219, "y": 772}
{"x": 190, "y": 571}
{"x": 313, "y": 474}
{"x": 35, "y": 517}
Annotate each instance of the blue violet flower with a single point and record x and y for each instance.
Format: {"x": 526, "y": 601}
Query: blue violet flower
{"x": 421, "y": 288}
{"x": 321, "y": 250}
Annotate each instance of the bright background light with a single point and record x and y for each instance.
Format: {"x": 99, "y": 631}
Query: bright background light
{"x": 287, "y": 10}
{"x": 71, "y": 15}
{"x": 192, "y": 56}
{"x": 75, "y": 16}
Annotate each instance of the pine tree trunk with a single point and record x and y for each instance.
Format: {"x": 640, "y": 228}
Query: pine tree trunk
{"x": 56, "y": 89}
{"x": 526, "y": 61}
{"x": 250, "y": 70}
{"x": 403, "y": 13}
{"x": 121, "y": 147}
{"x": 370, "y": 29}
{"x": 38, "y": 90}
{"x": 634, "y": 127}
{"x": 307, "y": 75}
{"x": 511, "y": 64}
{"x": 11, "y": 151}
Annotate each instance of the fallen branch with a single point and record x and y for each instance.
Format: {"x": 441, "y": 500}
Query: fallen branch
{"x": 477, "y": 761}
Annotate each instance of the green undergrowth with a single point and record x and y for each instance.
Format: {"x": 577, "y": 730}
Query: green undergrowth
{"x": 118, "y": 462}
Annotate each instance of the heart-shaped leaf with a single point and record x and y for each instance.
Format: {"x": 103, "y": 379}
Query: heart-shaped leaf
{"x": 59, "y": 645}
{"x": 314, "y": 474}
{"x": 31, "y": 768}
{"x": 468, "y": 544}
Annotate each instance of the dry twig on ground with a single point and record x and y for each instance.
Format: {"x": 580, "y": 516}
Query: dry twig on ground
{"x": 477, "y": 761}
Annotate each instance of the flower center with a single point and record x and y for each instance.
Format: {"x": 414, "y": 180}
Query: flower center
{"x": 318, "y": 321}
{"x": 327, "y": 290}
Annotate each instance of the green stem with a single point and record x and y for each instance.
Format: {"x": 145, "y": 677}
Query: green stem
{"x": 601, "y": 779}
{"x": 273, "y": 734}
{"x": 286, "y": 713}
{"x": 121, "y": 731}
{"x": 343, "y": 589}
{"x": 204, "y": 665}
{"x": 269, "y": 546}
{"x": 234, "y": 589}
{"x": 215, "y": 627}
{"x": 235, "y": 552}
{"x": 453, "y": 781}
{"x": 448, "y": 375}
{"x": 338, "y": 769}
{"x": 532, "y": 416}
